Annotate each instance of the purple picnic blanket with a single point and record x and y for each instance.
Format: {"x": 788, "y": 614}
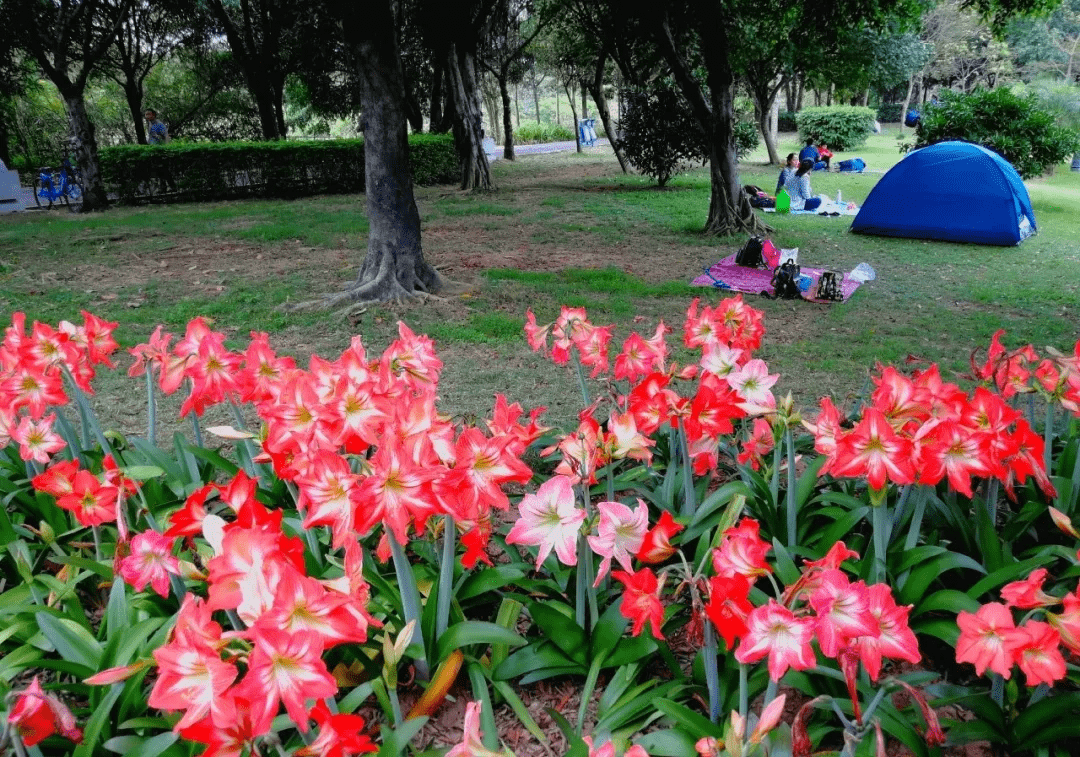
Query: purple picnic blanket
{"x": 737, "y": 278}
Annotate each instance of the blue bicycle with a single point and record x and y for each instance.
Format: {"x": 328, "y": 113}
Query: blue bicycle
{"x": 60, "y": 185}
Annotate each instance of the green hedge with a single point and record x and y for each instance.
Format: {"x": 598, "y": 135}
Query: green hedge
{"x": 841, "y": 127}
{"x": 230, "y": 170}
{"x": 890, "y": 113}
{"x": 532, "y": 133}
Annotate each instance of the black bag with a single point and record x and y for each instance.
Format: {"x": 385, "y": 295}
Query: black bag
{"x": 751, "y": 253}
{"x": 785, "y": 282}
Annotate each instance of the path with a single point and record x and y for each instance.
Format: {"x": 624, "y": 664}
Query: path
{"x": 546, "y": 147}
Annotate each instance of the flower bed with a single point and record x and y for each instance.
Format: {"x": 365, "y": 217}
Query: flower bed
{"x": 686, "y": 552}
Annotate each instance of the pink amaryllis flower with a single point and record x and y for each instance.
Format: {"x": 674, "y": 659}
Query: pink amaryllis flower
{"x": 1034, "y": 647}
{"x": 873, "y": 449}
{"x": 843, "y": 611}
{"x": 285, "y": 668}
{"x": 1028, "y": 593}
{"x": 150, "y": 562}
{"x": 472, "y": 739}
{"x": 742, "y": 551}
{"x": 753, "y": 382}
{"x": 36, "y": 439}
{"x": 893, "y": 637}
{"x": 550, "y": 520}
{"x": 982, "y": 639}
{"x": 620, "y": 534}
{"x": 774, "y": 631}
{"x": 37, "y": 715}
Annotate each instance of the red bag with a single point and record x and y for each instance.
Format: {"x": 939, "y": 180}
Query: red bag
{"x": 770, "y": 253}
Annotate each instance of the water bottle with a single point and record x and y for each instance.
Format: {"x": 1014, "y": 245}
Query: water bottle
{"x": 839, "y": 197}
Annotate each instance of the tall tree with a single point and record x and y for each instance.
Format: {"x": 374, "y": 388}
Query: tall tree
{"x": 394, "y": 266}
{"x": 68, "y": 39}
{"x": 149, "y": 32}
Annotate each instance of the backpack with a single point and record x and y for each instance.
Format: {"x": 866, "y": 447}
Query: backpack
{"x": 855, "y": 164}
{"x": 785, "y": 282}
{"x": 751, "y": 255}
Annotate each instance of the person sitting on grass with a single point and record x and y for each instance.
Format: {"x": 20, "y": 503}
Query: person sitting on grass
{"x": 798, "y": 187}
{"x": 809, "y": 152}
{"x": 824, "y": 156}
{"x": 791, "y": 165}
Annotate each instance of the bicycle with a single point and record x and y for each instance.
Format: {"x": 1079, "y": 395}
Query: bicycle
{"x": 57, "y": 185}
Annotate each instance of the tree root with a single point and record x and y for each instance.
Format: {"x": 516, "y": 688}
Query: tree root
{"x": 360, "y": 298}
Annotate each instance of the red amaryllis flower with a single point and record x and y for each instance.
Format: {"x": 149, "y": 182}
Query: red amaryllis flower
{"x": 774, "y": 631}
{"x": 1067, "y": 622}
{"x": 656, "y": 546}
{"x": 982, "y": 639}
{"x": 758, "y": 445}
{"x": 1028, "y": 593}
{"x": 340, "y": 735}
{"x": 38, "y": 715}
{"x": 641, "y": 600}
{"x": 893, "y": 637}
{"x": 948, "y": 449}
{"x": 1034, "y": 647}
{"x": 285, "y": 668}
{"x": 742, "y": 551}
{"x": 150, "y": 562}
{"x": 874, "y": 450}
{"x": 843, "y": 611}
{"x": 729, "y": 606}
{"x": 90, "y": 501}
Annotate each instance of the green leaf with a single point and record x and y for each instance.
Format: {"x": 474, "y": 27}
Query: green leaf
{"x": 143, "y": 473}
{"x": 507, "y": 693}
{"x": 17, "y": 660}
{"x": 689, "y": 719}
{"x": 230, "y": 468}
{"x": 116, "y": 614}
{"x": 487, "y": 580}
{"x": 631, "y": 649}
{"x": 72, "y": 641}
{"x": 102, "y": 714}
{"x": 561, "y": 631}
{"x": 946, "y": 630}
{"x": 1008, "y": 573}
{"x": 608, "y": 631}
{"x": 138, "y": 746}
{"x": 1062, "y": 710}
{"x": 946, "y": 600}
{"x": 474, "y": 632}
{"x": 539, "y": 655}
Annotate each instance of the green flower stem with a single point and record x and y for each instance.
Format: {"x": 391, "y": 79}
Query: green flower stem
{"x": 96, "y": 531}
{"x": 234, "y": 620}
{"x": 901, "y": 507}
{"x": 16, "y": 743}
{"x": 880, "y": 523}
{"x": 997, "y": 689}
{"x": 1076, "y": 482}
{"x": 792, "y": 504}
{"x": 774, "y": 481}
{"x": 744, "y": 690}
{"x": 992, "y": 486}
{"x": 712, "y": 672}
{"x": 586, "y": 693}
{"x": 86, "y": 415}
{"x": 611, "y": 481}
{"x": 151, "y": 410}
{"x": 580, "y": 369}
{"x": 580, "y": 601}
{"x": 916, "y": 520}
{"x": 410, "y": 600}
{"x": 770, "y": 693}
{"x": 446, "y": 576}
{"x": 1048, "y": 436}
{"x": 196, "y": 429}
{"x": 249, "y": 448}
{"x": 689, "y": 500}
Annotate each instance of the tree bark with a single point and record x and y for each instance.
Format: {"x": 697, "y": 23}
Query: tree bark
{"x": 134, "y": 95}
{"x": 729, "y": 207}
{"x": 907, "y": 101}
{"x": 394, "y": 266}
{"x": 596, "y": 89}
{"x": 468, "y": 122}
{"x": 573, "y": 112}
{"x": 85, "y": 151}
{"x": 5, "y": 152}
{"x": 508, "y": 126}
{"x": 437, "y": 124}
{"x": 536, "y": 97}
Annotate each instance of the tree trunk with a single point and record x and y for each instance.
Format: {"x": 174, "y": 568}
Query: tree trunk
{"x": 584, "y": 101}
{"x": 536, "y": 98}
{"x": 437, "y": 124}
{"x": 134, "y": 95}
{"x": 394, "y": 266}
{"x": 763, "y": 106}
{"x": 573, "y": 112}
{"x": 517, "y": 108}
{"x": 596, "y": 89}
{"x": 508, "y": 126}
{"x": 85, "y": 151}
{"x": 800, "y": 90}
{"x": 907, "y": 101}
{"x": 468, "y": 120}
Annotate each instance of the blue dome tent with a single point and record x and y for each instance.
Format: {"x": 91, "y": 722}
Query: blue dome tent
{"x": 952, "y": 191}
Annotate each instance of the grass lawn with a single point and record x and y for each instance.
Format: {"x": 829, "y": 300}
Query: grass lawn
{"x": 561, "y": 229}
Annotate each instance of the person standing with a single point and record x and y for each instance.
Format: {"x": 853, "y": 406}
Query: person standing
{"x": 157, "y": 133}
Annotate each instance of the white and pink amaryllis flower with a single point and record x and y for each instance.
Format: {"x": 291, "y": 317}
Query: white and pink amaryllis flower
{"x": 150, "y": 562}
{"x": 472, "y": 740}
{"x": 754, "y": 383}
{"x": 774, "y": 631}
{"x": 550, "y": 520}
{"x": 620, "y": 534}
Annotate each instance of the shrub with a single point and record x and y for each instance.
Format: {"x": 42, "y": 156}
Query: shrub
{"x": 841, "y": 127}
{"x": 785, "y": 121}
{"x": 1017, "y": 128}
{"x": 536, "y": 133}
{"x": 227, "y": 170}
{"x": 747, "y": 138}
{"x": 660, "y": 135}
{"x": 889, "y": 113}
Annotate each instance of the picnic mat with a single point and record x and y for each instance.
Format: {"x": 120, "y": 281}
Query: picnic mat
{"x": 737, "y": 278}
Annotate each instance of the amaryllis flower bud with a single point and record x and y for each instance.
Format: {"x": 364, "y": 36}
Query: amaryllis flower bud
{"x": 934, "y": 735}
{"x": 707, "y": 746}
{"x": 1064, "y": 523}
{"x": 770, "y": 717}
{"x": 800, "y": 738}
{"x": 656, "y": 548}
{"x": 38, "y": 715}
